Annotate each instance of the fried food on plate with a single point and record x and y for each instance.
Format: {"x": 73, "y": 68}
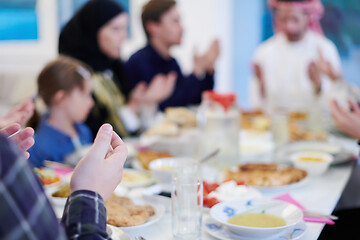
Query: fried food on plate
{"x": 181, "y": 116}
{"x": 166, "y": 128}
{"x": 145, "y": 157}
{"x": 298, "y": 133}
{"x": 122, "y": 212}
{"x": 176, "y": 120}
{"x": 266, "y": 175}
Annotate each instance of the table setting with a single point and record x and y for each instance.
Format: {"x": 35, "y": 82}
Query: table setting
{"x": 188, "y": 193}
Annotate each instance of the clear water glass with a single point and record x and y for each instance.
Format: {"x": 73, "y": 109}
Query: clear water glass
{"x": 187, "y": 203}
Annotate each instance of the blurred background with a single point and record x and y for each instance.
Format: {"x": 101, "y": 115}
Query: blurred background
{"x": 29, "y": 32}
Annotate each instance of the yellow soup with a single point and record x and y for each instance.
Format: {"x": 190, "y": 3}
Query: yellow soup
{"x": 262, "y": 220}
{"x": 313, "y": 159}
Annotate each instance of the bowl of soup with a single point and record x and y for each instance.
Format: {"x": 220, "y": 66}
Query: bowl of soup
{"x": 315, "y": 163}
{"x": 258, "y": 218}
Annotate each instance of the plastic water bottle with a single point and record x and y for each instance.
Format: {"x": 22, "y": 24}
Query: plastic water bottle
{"x": 218, "y": 122}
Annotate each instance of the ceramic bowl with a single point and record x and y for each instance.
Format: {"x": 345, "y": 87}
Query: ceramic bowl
{"x": 291, "y": 214}
{"x": 315, "y": 163}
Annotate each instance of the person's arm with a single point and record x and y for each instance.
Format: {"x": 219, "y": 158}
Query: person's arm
{"x": 195, "y": 86}
{"x": 94, "y": 179}
{"x": 257, "y": 84}
{"x": 26, "y": 212}
{"x": 347, "y": 121}
{"x": 85, "y": 216}
{"x": 256, "y": 100}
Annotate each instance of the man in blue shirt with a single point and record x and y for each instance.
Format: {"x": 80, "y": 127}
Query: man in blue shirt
{"x": 161, "y": 22}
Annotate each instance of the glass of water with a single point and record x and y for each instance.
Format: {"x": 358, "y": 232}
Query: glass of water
{"x": 187, "y": 202}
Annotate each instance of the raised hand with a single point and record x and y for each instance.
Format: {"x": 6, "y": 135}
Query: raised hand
{"x": 326, "y": 68}
{"x": 205, "y": 62}
{"x": 160, "y": 88}
{"x": 347, "y": 121}
{"x": 212, "y": 55}
{"x": 23, "y": 138}
{"x": 136, "y": 97}
{"x": 101, "y": 169}
{"x": 19, "y": 114}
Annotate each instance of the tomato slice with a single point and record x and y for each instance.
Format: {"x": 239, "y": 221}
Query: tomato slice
{"x": 209, "y": 202}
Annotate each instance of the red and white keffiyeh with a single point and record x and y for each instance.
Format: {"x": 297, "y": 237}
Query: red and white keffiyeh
{"x": 314, "y": 8}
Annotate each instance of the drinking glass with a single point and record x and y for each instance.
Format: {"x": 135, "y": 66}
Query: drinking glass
{"x": 187, "y": 202}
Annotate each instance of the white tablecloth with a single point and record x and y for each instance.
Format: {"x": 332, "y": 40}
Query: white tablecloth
{"x": 319, "y": 194}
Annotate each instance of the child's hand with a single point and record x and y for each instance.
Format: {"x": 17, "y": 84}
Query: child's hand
{"x": 101, "y": 169}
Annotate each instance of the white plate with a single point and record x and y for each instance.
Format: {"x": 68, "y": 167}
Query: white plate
{"x": 139, "y": 183}
{"x": 116, "y": 233}
{"x": 333, "y": 148}
{"x": 121, "y": 190}
{"x": 159, "y": 212}
{"x": 220, "y": 231}
{"x": 320, "y": 146}
{"x": 151, "y": 194}
{"x": 283, "y": 188}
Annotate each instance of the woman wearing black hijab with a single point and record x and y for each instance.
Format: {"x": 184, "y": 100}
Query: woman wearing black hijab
{"x": 95, "y": 35}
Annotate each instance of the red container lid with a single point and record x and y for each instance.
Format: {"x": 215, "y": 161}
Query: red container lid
{"x": 225, "y": 99}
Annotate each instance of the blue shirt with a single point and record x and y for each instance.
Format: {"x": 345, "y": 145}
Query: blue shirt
{"x": 147, "y": 62}
{"x": 54, "y": 145}
{"x": 26, "y": 212}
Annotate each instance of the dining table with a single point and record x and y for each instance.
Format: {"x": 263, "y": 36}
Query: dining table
{"x": 318, "y": 194}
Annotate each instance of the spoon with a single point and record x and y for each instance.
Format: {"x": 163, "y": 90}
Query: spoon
{"x": 209, "y": 156}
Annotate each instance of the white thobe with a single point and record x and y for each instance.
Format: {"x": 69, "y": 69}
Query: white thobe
{"x": 284, "y": 67}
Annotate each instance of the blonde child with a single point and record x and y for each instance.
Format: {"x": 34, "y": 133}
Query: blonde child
{"x": 65, "y": 87}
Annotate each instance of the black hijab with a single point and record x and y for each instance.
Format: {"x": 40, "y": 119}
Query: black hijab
{"x": 78, "y": 39}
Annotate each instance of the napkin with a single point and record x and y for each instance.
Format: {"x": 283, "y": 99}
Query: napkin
{"x": 59, "y": 168}
{"x": 289, "y": 199}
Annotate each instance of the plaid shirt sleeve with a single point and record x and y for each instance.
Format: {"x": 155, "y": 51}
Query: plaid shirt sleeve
{"x": 85, "y": 216}
{"x": 25, "y": 211}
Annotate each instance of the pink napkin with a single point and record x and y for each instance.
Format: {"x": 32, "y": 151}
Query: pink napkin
{"x": 287, "y": 198}
{"x": 63, "y": 171}
{"x": 59, "y": 168}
